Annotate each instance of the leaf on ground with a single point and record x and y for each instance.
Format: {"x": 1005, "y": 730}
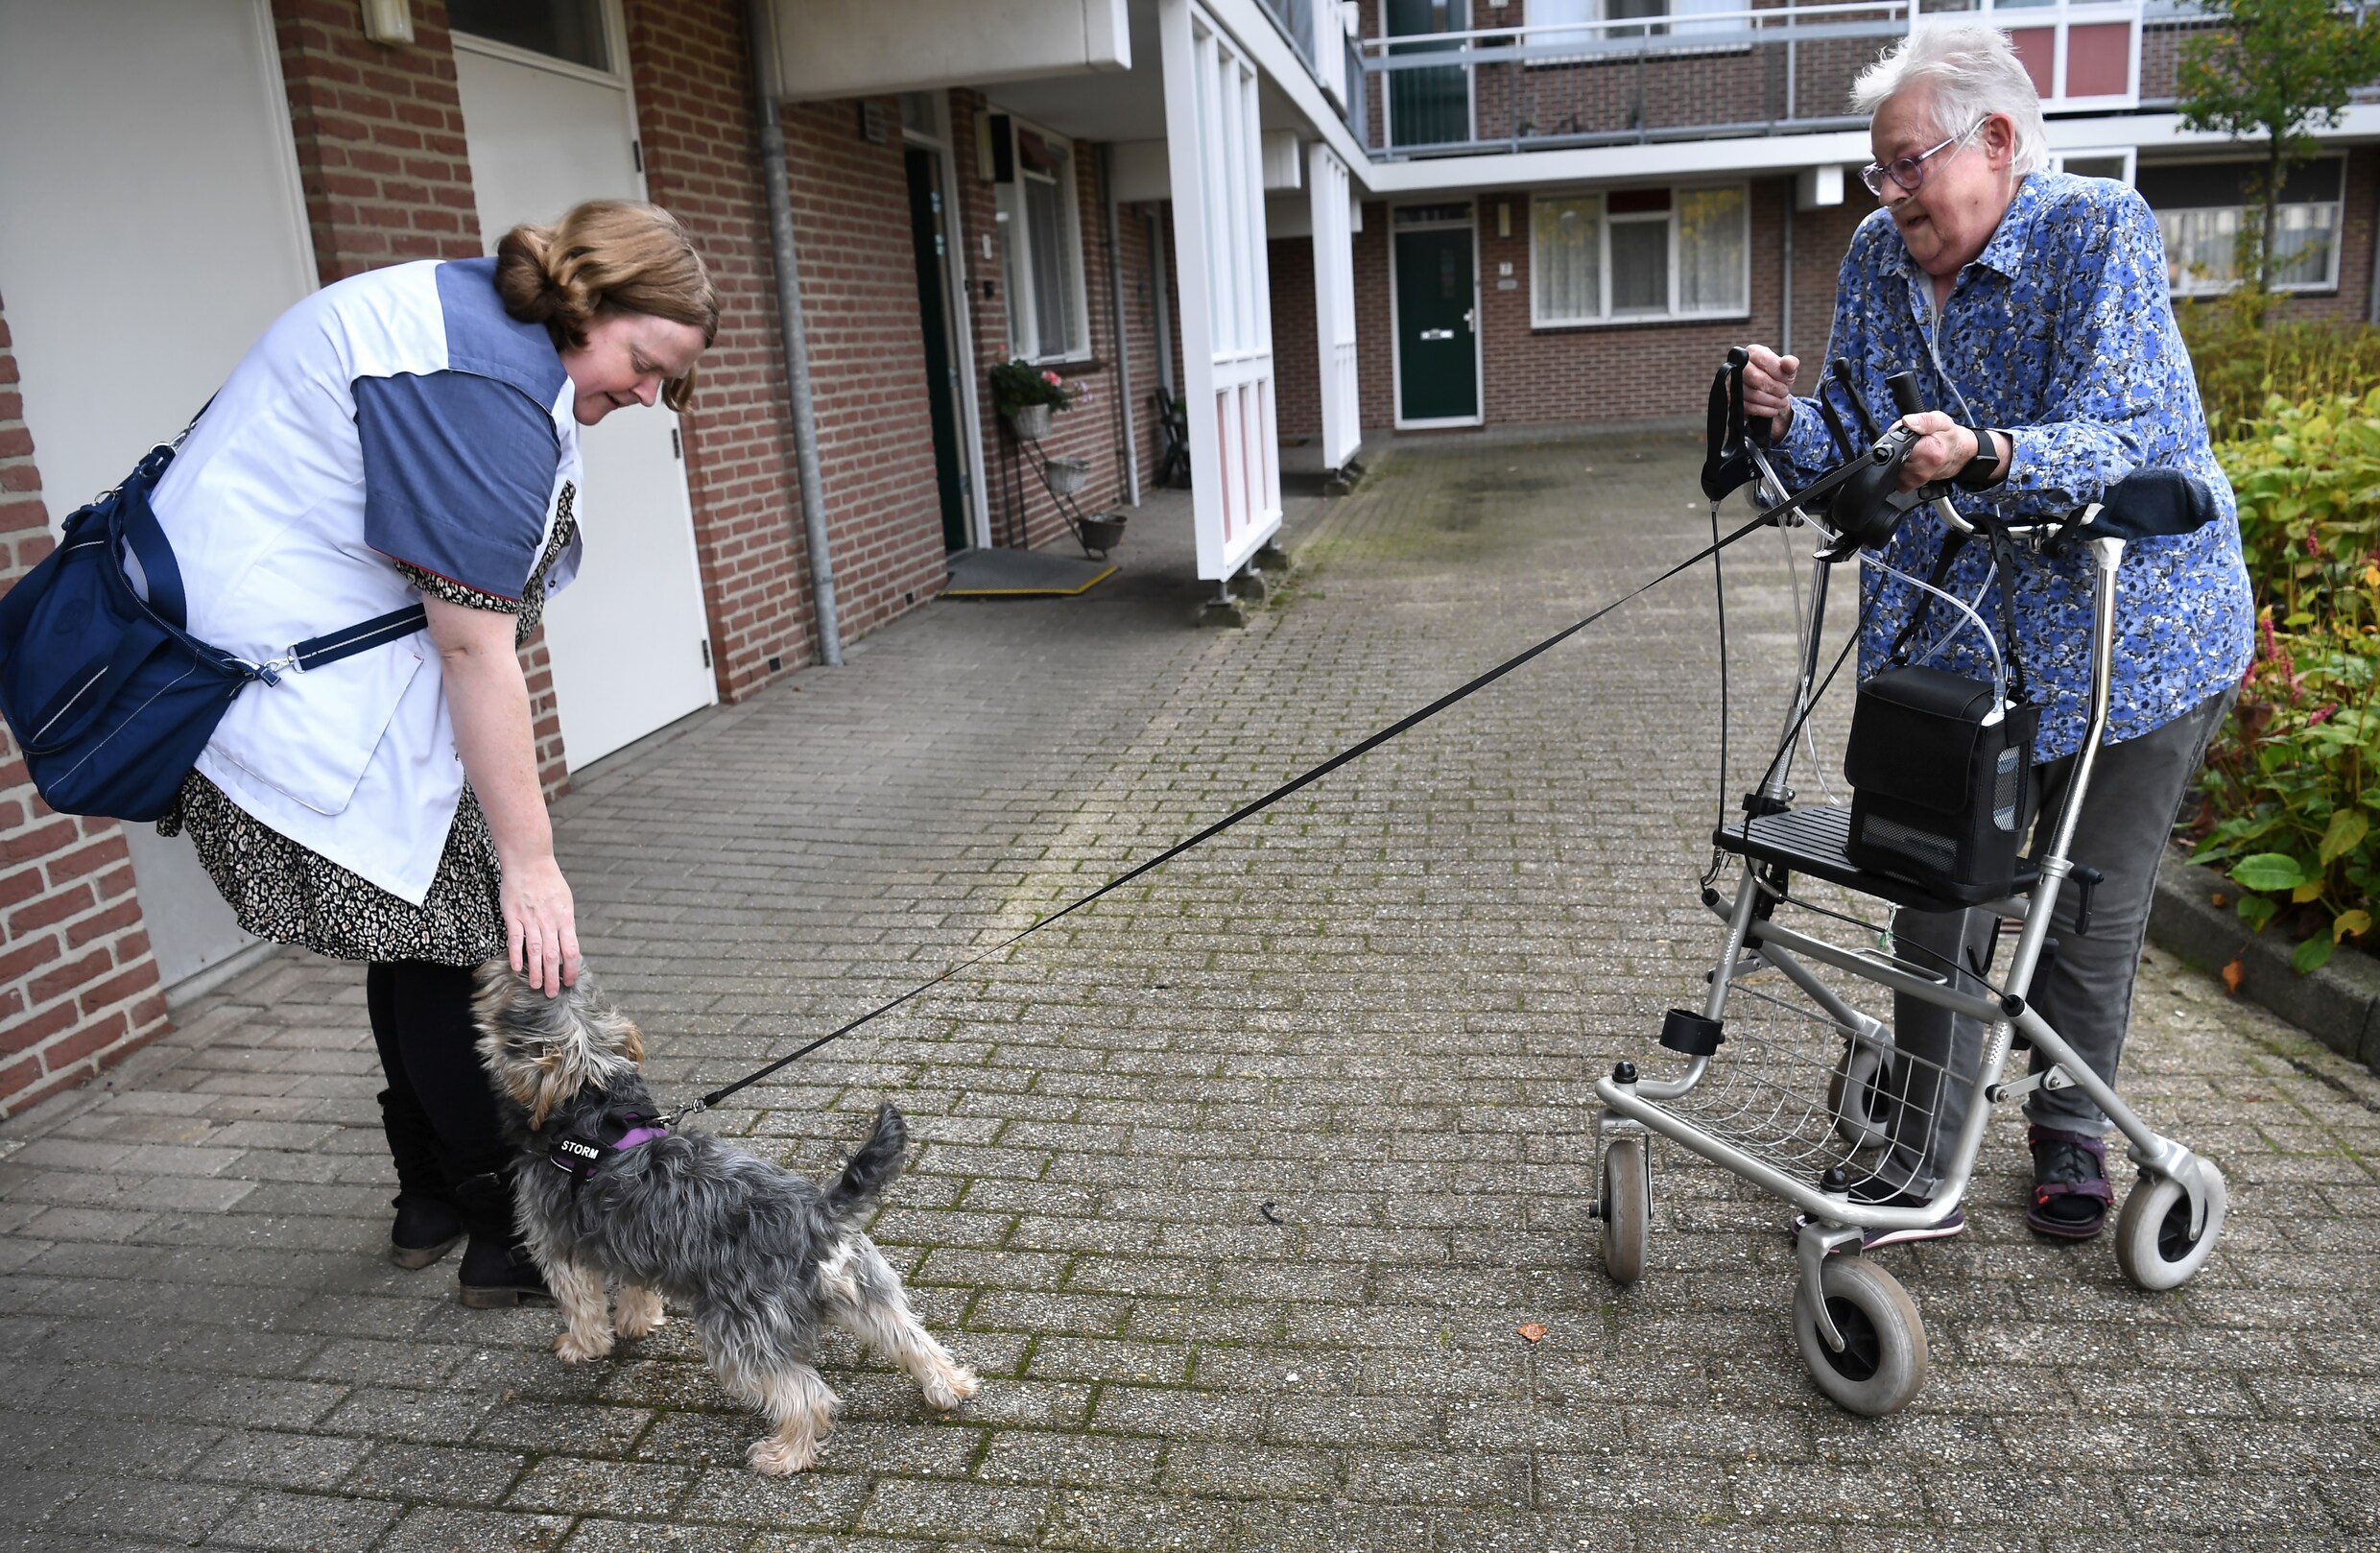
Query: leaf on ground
{"x": 1534, "y": 1330}
{"x": 2220, "y": 899}
{"x": 2233, "y": 974}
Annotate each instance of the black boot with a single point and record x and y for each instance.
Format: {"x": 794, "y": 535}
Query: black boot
{"x": 427, "y": 1224}
{"x": 497, "y": 1271}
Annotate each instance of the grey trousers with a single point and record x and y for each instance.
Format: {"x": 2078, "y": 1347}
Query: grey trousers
{"x": 2087, "y": 997}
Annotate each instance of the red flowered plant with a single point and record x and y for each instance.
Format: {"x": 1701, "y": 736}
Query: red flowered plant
{"x": 1018, "y": 384}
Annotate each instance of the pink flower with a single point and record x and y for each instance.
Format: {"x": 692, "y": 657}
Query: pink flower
{"x": 1053, "y": 379}
{"x": 2314, "y": 545}
{"x": 2321, "y": 715}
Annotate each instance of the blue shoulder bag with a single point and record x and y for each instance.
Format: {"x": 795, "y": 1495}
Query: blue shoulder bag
{"x": 110, "y": 696}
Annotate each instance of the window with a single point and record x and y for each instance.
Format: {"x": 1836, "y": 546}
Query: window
{"x": 1041, "y": 251}
{"x": 1631, "y": 254}
{"x": 2201, "y": 206}
{"x": 571, "y": 29}
{"x": 1568, "y": 15}
{"x": 2114, "y": 163}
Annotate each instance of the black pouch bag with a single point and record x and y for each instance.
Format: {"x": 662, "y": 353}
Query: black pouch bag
{"x": 1938, "y": 795}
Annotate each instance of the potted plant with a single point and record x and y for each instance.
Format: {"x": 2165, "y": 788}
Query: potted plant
{"x": 1027, "y": 395}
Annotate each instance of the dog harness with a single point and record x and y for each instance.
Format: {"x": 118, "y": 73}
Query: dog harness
{"x": 580, "y": 1154}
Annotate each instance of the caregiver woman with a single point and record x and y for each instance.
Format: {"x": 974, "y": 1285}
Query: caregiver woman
{"x": 413, "y": 433}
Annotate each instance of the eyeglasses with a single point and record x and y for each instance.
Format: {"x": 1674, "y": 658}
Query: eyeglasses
{"x": 1908, "y": 171}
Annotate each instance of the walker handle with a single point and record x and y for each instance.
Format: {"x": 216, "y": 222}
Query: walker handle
{"x": 1905, "y": 396}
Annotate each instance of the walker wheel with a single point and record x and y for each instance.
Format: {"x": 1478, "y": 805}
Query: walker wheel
{"x": 1626, "y": 1208}
{"x": 1856, "y": 1093}
{"x": 2152, "y": 1241}
{"x": 1883, "y": 1360}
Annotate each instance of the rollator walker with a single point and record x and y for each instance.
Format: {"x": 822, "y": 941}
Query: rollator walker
{"x": 1798, "y": 1100}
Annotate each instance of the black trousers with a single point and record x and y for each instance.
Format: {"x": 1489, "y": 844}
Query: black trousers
{"x": 438, "y": 1095}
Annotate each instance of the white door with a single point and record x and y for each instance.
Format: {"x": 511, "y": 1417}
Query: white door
{"x": 629, "y": 639}
{"x": 151, "y": 226}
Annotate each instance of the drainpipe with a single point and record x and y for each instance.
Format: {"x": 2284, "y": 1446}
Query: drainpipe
{"x": 1123, "y": 350}
{"x": 789, "y": 323}
{"x": 1785, "y": 329}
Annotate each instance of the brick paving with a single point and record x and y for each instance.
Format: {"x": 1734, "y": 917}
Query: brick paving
{"x": 1375, "y": 1015}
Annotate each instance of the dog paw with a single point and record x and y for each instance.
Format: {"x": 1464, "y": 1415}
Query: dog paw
{"x": 774, "y": 1457}
{"x": 947, "y": 1391}
{"x": 577, "y": 1349}
{"x": 641, "y": 1317}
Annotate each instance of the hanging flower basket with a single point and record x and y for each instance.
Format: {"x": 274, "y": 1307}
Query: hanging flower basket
{"x": 1025, "y": 394}
{"x": 1065, "y": 476}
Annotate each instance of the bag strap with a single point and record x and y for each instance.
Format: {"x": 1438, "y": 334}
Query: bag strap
{"x": 317, "y": 651}
{"x": 2004, "y": 563}
{"x": 1952, "y": 544}
{"x": 137, "y": 524}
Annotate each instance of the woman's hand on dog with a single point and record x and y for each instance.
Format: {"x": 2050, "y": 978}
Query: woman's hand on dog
{"x": 540, "y": 924}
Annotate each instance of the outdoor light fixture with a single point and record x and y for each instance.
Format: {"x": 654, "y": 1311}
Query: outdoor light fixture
{"x": 389, "y": 21}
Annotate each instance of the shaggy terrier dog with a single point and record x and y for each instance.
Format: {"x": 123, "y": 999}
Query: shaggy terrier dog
{"x": 758, "y": 1254}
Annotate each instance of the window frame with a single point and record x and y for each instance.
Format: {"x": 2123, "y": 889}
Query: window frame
{"x": 1016, "y": 250}
{"x": 1605, "y": 317}
{"x": 1669, "y": 22}
{"x": 2181, "y": 285}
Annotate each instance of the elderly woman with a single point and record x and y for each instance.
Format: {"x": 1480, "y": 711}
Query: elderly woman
{"x": 2032, "y": 306}
{"x": 412, "y": 433}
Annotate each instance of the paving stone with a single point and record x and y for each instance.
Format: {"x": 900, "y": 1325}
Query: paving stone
{"x": 1379, "y": 1008}
{"x": 306, "y": 1523}
{"x": 436, "y": 1529}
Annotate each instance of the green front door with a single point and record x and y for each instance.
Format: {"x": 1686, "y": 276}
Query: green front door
{"x": 1437, "y": 353}
{"x": 927, "y": 233}
{"x": 1427, "y": 107}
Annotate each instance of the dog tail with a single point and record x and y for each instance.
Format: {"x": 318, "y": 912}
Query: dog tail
{"x": 872, "y": 1167}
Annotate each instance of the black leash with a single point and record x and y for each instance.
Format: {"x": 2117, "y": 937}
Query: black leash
{"x": 1243, "y": 812}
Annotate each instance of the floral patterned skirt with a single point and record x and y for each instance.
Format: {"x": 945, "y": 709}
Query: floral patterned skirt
{"x": 283, "y": 891}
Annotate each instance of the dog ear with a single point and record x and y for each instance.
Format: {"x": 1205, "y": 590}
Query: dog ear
{"x": 632, "y": 1041}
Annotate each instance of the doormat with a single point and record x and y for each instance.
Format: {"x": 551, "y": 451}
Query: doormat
{"x": 994, "y": 574}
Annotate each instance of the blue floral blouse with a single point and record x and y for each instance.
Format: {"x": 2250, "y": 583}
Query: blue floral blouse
{"x": 2059, "y": 334}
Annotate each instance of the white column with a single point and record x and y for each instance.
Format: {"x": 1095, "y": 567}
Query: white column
{"x": 1214, "y": 146}
{"x": 1334, "y": 305}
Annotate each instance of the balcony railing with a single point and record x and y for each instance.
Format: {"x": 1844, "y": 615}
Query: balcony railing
{"x": 1323, "y": 33}
{"x": 1706, "y": 69}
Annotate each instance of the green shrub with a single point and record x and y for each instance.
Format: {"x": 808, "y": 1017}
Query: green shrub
{"x": 2243, "y": 357}
{"x": 2293, "y": 781}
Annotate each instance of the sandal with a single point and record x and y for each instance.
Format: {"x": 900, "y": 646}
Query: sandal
{"x": 2070, "y": 1192}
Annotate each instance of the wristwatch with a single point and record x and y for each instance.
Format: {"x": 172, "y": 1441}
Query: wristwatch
{"x": 1984, "y": 469}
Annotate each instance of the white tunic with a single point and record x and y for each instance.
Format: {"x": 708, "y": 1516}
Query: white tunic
{"x": 329, "y": 455}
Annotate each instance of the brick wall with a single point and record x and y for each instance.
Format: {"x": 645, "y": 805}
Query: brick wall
{"x": 694, "y": 105}
{"x": 379, "y": 130}
{"x": 1297, "y": 345}
{"x": 867, "y": 378}
{"x": 78, "y": 985}
{"x": 1375, "y": 347}
{"x": 1022, "y": 511}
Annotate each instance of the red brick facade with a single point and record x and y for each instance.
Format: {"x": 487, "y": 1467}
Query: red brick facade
{"x": 1022, "y": 509}
{"x": 77, "y": 986}
{"x": 695, "y": 114}
{"x": 379, "y": 130}
{"x": 867, "y": 378}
